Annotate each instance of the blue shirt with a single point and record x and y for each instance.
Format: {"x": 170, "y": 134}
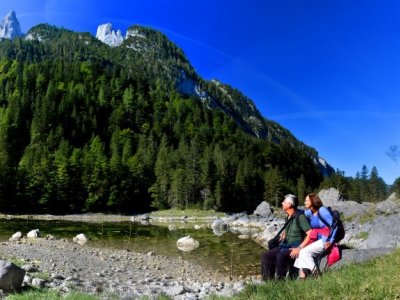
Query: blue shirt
{"x": 316, "y": 222}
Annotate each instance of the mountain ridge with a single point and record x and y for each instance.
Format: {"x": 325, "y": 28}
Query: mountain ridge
{"x": 160, "y": 132}
{"x": 187, "y": 81}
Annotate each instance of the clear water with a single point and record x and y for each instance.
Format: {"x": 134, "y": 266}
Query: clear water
{"x": 226, "y": 253}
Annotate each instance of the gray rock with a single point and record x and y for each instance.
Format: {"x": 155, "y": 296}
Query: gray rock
{"x": 219, "y": 227}
{"x": 263, "y": 209}
{"x": 331, "y": 197}
{"x": 360, "y": 255}
{"x": 11, "y": 276}
{"x": 387, "y": 207}
{"x": 38, "y": 282}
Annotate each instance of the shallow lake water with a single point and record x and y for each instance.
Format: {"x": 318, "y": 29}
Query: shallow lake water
{"x": 226, "y": 253}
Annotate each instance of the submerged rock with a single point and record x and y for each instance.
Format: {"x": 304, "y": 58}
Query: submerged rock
{"x": 187, "y": 244}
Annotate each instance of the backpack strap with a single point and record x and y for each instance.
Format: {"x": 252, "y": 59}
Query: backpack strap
{"x": 297, "y": 217}
{"x": 327, "y": 224}
{"x": 284, "y": 226}
{"x": 323, "y": 220}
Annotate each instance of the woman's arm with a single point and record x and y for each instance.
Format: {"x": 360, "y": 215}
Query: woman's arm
{"x": 295, "y": 251}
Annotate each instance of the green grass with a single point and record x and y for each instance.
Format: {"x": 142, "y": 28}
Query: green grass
{"x": 367, "y": 217}
{"x": 363, "y": 235}
{"x": 196, "y": 213}
{"x": 47, "y": 294}
{"x": 375, "y": 279}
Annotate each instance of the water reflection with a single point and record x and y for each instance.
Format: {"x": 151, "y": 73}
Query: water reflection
{"x": 220, "y": 250}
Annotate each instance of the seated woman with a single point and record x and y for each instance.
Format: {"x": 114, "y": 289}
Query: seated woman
{"x": 320, "y": 238}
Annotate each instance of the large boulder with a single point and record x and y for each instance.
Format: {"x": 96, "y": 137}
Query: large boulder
{"x": 383, "y": 232}
{"x": 331, "y": 197}
{"x": 263, "y": 209}
{"x": 11, "y": 276}
{"x": 187, "y": 244}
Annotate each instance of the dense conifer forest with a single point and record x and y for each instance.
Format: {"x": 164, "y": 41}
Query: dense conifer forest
{"x": 89, "y": 128}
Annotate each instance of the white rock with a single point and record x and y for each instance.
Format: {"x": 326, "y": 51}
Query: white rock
{"x": 109, "y": 36}
{"x": 80, "y": 239}
{"x": 35, "y": 233}
{"x": 16, "y": 236}
{"x": 187, "y": 244}
{"x": 172, "y": 227}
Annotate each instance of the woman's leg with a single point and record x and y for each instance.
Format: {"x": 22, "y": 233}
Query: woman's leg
{"x": 306, "y": 256}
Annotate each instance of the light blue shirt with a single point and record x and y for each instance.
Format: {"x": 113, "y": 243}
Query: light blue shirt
{"x": 316, "y": 222}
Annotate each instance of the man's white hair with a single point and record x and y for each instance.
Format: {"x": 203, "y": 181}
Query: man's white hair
{"x": 291, "y": 198}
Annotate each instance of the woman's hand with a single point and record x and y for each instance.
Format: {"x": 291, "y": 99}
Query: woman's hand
{"x": 327, "y": 245}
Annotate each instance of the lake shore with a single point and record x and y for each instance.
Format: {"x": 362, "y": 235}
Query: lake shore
{"x": 118, "y": 273}
{"x": 113, "y": 272}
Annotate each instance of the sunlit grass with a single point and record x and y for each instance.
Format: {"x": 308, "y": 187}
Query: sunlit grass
{"x": 195, "y": 213}
{"x": 362, "y": 235}
{"x": 48, "y": 294}
{"x": 375, "y": 279}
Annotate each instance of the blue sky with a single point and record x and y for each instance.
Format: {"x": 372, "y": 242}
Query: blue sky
{"x": 329, "y": 71}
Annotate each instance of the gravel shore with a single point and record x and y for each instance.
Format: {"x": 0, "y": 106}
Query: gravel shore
{"x": 115, "y": 273}
{"x": 111, "y": 273}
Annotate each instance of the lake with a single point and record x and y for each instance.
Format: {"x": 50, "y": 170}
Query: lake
{"x": 226, "y": 253}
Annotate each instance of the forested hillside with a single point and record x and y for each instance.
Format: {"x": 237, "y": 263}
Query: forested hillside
{"x": 87, "y": 127}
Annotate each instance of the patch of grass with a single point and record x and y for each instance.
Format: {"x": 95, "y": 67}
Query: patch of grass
{"x": 363, "y": 235}
{"x": 349, "y": 218}
{"x": 159, "y": 297}
{"x": 16, "y": 261}
{"x": 20, "y": 262}
{"x": 196, "y": 213}
{"x": 374, "y": 279}
{"x": 367, "y": 217}
{"x": 47, "y": 294}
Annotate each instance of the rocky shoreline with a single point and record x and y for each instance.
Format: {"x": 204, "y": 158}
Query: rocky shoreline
{"x": 113, "y": 273}
{"x": 371, "y": 230}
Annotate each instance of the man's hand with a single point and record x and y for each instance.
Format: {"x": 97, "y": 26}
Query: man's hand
{"x": 294, "y": 253}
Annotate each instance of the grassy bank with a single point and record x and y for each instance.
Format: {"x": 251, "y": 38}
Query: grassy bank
{"x": 375, "y": 279}
{"x": 191, "y": 213}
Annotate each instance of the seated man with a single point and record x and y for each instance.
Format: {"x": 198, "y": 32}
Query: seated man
{"x": 278, "y": 260}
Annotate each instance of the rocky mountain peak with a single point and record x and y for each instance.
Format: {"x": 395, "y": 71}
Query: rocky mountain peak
{"x": 107, "y": 35}
{"x": 9, "y": 27}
